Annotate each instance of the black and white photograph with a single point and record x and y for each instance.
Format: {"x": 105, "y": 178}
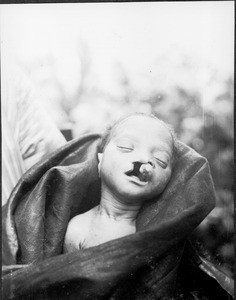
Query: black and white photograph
{"x": 117, "y": 157}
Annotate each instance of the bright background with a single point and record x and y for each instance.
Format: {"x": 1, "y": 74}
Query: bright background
{"x": 91, "y": 63}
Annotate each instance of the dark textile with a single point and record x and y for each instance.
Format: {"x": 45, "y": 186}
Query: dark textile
{"x": 149, "y": 264}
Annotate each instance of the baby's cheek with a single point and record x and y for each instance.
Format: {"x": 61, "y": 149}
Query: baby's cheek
{"x": 167, "y": 176}
{"x": 163, "y": 178}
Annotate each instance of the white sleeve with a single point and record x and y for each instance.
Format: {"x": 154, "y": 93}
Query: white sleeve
{"x": 36, "y": 133}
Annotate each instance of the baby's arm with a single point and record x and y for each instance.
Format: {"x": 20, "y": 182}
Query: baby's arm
{"x": 76, "y": 232}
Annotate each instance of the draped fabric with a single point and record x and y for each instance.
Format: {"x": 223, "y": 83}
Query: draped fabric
{"x": 157, "y": 262}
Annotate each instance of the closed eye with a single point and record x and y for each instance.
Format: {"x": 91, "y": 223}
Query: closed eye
{"x": 125, "y": 148}
{"x": 161, "y": 163}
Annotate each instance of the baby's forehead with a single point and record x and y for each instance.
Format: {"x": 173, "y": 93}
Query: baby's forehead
{"x": 142, "y": 126}
{"x": 141, "y": 123}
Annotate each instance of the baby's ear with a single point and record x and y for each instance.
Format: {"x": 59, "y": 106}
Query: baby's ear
{"x": 100, "y": 155}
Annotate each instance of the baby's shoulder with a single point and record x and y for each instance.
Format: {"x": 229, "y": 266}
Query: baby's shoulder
{"x": 81, "y": 221}
{"x": 77, "y": 230}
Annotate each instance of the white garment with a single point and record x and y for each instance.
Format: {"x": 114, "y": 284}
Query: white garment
{"x": 28, "y": 132}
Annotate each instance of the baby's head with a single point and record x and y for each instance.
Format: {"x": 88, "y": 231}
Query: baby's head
{"x": 136, "y": 159}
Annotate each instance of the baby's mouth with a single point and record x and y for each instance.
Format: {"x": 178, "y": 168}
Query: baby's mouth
{"x": 135, "y": 173}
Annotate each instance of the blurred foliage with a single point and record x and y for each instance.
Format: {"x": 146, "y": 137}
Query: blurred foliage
{"x": 209, "y": 130}
{"x": 191, "y": 95}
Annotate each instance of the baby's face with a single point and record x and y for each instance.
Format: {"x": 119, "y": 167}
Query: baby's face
{"x": 137, "y": 162}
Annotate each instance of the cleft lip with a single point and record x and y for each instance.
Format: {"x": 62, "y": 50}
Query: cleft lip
{"x": 134, "y": 170}
{"x": 139, "y": 172}
{"x": 129, "y": 172}
{"x": 143, "y": 177}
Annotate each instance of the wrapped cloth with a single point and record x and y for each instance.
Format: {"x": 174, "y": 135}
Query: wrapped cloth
{"x": 157, "y": 262}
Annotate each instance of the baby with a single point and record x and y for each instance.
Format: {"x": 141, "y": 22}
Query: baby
{"x": 135, "y": 165}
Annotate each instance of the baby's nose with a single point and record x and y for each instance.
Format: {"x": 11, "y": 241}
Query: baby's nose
{"x": 145, "y": 159}
{"x": 146, "y": 169}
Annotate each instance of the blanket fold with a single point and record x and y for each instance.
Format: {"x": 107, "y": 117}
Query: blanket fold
{"x": 144, "y": 265}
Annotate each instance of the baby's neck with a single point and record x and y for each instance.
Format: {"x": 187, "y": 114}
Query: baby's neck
{"x": 117, "y": 210}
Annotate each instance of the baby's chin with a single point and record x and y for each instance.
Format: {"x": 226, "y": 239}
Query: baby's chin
{"x": 137, "y": 197}
{"x": 133, "y": 192}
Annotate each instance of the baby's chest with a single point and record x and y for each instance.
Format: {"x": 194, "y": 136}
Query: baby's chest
{"x": 101, "y": 232}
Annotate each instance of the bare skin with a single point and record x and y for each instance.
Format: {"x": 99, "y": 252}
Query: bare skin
{"x": 134, "y": 167}
{"x": 103, "y": 223}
